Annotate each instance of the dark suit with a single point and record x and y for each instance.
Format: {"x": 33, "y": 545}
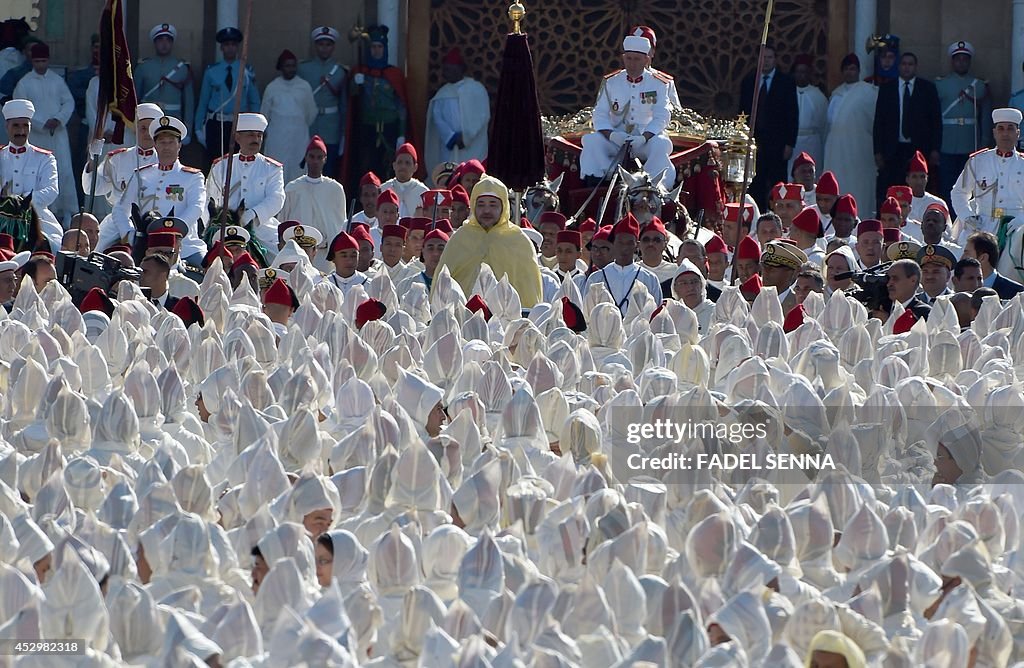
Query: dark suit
{"x": 918, "y": 308}
{"x": 1005, "y": 287}
{"x": 169, "y": 304}
{"x": 777, "y": 119}
{"x": 924, "y": 131}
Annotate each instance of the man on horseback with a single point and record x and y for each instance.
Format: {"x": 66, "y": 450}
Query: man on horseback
{"x": 632, "y": 107}
{"x": 25, "y": 168}
{"x": 256, "y": 180}
{"x": 162, "y": 187}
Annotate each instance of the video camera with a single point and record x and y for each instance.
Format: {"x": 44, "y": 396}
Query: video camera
{"x": 79, "y": 275}
{"x": 872, "y": 287}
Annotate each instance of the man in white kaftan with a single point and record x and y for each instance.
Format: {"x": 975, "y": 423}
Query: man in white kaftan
{"x": 849, "y": 147}
{"x": 457, "y": 116}
{"x": 316, "y": 201}
{"x": 813, "y": 105}
{"x": 54, "y": 105}
{"x": 290, "y": 109}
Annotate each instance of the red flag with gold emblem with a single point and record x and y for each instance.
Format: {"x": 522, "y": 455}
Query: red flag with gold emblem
{"x": 117, "y": 89}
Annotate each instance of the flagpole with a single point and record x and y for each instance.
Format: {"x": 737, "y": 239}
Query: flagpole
{"x": 750, "y": 133}
{"x": 246, "y": 38}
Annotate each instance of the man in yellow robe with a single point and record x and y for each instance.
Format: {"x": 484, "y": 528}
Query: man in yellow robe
{"x": 489, "y": 236}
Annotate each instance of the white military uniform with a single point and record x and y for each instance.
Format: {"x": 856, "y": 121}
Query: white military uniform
{"x": 259, "y": 181}
{"x": 161, "y": 189}
{"x": 116, "y": 171}
{"x": 629, "y": 108}
{"x": 30, "y": 169}
{"x": 990, "y": 187}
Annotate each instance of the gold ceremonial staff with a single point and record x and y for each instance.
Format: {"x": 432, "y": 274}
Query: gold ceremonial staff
{"x": 752, "y": 126}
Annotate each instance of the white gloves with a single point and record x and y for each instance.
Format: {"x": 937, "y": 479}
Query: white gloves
{"x": 359, "y": 78}
{"x": 637, "y": 142}
{"x": 618, "y": 137}
{"x": 399, "y": 142}
{"x": 96, "y": 147}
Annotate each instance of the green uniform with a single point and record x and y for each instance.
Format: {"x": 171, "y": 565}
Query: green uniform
{"x": 168, "y": 83}
{"x": 330, "y": 103}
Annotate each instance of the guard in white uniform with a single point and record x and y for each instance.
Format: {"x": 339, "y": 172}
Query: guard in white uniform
{"x": 117, "y": 167}
{"x": 632, "y": 106}
{"x": 162, "y": 186}
{"x": 255, "y": 178}
{"x": 25, "y": 168}
{"x": 992, "y": 183}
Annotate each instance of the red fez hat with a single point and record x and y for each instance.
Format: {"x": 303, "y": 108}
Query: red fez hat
{"x": 344, "y": 241}
{"x": 435, "y": 234}
{"x": 97, "y": 300}
{"x": 286, "y": 225}
{"x": 627, "y": 225}
{"x": 42, "y": 254}
{"x": 891, "y": 206}
{"x": 453, "y": 57}
{"x": 904, "y": 323}
{"x": 286, "y": 55}
{"x": 572, "y": 316}
{"x": 280, "y": 293}
{"x": 646, "y": 32}
{"x": 716, "y": 244}
{"x": 369, "y": 179}
{"x": 917, "y": 164}
{"x": 790, "y": 191}
{"x": 7, "y": 242}
{"x": 751, "y": 287}
{"x": 369, "y": 310}
{"x": 850, "y": 59}
{"x": 40, "y": 50}
{"x": 804, "y": 59}
{"x": 808, "y": 221}
{"x": 890, "y": 235}
{"x": 123, "y": 248}
{"x": 551, "y": 218}
{"x": 244, "y": 260}
{"x": 749, "y": 249}
{"x": 409, "y": 150}
{"x": 846, "y": 204}
{"x": 570, "y": 237}
{"x": 524, "y": 223}
{"x": 794, "y": 318}
{"x": 902, "y": 194}
{"x": 938, "y": 206}
{"x": 188, "y": 310}
{"x": 654, "y": 226}
{"x": 361, "y": 232}
{"x": 803, "y": 159}
{"x": 661, "y": 307}
{"x": 828, "y": 184}
{"x": 439, "y": 197}
{"x": 472, "y": 166}
{"x": 477, "y": 303}
{"x": 459, "y": 194}
{"x": 588, "y": 225}
{"x": 162, "y": 240}
{"x": 387, "y": 197}
{"x": 417, "y": 223}
{"x": 603, "y": 234}
{"x": 217, "y": 250}
{"x": 869, "y": 225}
{"x": 317, "y": 143}
{"x": 444, "y": 225}
{"x": 732, "y": 213}
{"x": 393, "y": 231}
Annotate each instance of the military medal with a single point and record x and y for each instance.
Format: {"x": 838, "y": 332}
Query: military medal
{"x": 615, "y": 107}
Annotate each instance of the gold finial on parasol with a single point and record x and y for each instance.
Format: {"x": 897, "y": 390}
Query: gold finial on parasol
{"x": 516, "y": 12}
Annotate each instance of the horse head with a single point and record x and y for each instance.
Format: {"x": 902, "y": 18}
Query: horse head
{"x": 645, "y": 196}
{"x": 19, "y": 219}
{"x": 542, "y": 197}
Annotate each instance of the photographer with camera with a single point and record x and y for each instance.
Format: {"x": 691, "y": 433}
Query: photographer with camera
{"x": 161, "y": 187}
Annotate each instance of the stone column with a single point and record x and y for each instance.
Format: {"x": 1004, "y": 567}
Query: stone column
{"x": 1017, "y": 47}
{"x": 388, "y": 15}
{"x": 865, "y": 20}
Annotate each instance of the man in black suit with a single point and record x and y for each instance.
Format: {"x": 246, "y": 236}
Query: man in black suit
{"x": 904, "y": 284}
{"x": 907, "y": 119}
{"x": 777, "y": 119}
{"x": 156, "y": 269}
{"x": 984, "y": 248}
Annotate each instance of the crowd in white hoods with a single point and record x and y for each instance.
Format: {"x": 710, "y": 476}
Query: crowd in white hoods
{"x": 444, "y": 488}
